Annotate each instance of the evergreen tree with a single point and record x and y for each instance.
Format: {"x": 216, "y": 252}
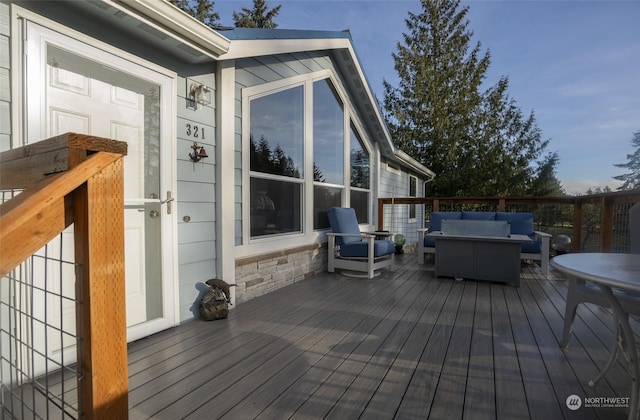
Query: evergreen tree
{"x": 258, "y": 17}
{"x": 545, "y": 181}
{"x": 477, "y": 143}
{"x": 201, "y": 10}
{"x": 631, "y": 181}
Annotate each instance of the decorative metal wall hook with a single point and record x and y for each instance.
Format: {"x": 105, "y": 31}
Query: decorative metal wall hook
{"x": 198, "y": 152}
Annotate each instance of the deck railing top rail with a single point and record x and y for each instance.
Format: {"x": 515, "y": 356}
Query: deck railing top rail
{"x": 610, "y": 206}
{"x": 79, "y": 179}
{"x": 617, "y": 197}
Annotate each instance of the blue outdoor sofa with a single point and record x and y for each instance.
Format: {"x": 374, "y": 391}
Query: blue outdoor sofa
{"x": 521, "y": 224}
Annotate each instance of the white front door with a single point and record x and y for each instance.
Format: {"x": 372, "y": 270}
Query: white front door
{"x": 74, "y": 87}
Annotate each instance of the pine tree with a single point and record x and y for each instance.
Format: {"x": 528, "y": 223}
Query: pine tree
{"x": 202, "y": 10}
{"x": 477, "y": 142}
{"x": 631, "y": 181}
{"x": 258, "y": 17}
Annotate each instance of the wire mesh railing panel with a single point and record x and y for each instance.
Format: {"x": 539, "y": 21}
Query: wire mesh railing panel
{"x": 621, "y": 231}
{"x": 38, "y": 340}
{"x": 555, "y": 218}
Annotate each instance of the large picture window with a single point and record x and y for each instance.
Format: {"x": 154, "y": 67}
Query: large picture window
{"x": 328, "y": 134}
{"x": 328, "y": 152}
{"x": 277, "y": 162}
{"x": 277, "y": 133}
{"x": 359, "y": 163}
{"x": 304, "y": 157}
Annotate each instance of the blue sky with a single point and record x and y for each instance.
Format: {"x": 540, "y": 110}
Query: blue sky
{"x": 575, "y": 64}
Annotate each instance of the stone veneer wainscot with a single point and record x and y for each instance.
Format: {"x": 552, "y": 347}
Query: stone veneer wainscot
{"x": 261, "y": 274}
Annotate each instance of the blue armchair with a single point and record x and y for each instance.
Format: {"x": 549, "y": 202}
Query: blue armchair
{"x": 354, "y": 251}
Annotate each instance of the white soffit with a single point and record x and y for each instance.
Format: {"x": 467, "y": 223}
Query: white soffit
{"x": 174, "y": 22}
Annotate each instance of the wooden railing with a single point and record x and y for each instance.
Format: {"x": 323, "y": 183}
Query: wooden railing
{"x": 605, "y": 201}
{"x": 77, "y": 179}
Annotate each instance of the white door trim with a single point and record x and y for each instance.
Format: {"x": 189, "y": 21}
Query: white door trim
{"x": 122, "y": 61}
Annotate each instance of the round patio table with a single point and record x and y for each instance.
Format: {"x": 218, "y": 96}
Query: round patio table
{"x": 607, "y": 271}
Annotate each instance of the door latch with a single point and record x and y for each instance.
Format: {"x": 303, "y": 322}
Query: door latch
{"x": 168, "y": 202}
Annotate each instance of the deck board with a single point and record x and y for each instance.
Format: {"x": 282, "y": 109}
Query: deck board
{"x": 480, "y": 388}
{"x": 403, "y": 345}
{"x": 510, "y": 396}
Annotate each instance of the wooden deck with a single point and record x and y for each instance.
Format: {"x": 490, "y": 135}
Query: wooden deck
{"x": 405, "y": 345}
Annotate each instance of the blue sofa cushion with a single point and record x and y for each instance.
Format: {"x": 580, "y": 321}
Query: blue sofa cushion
{"x": 361, "y": 249}
{"x": 521, "y": 223}
{"x": 429, "y": 242}
{"x": 534, "y": 247}
{"x": 478, "y": 215}
{"x": 343, "y": 220}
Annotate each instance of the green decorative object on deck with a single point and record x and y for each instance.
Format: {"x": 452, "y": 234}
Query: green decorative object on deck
{"x": 399, "y": 240}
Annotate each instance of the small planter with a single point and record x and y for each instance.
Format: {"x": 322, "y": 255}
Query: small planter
{"x": 399, "y": 240}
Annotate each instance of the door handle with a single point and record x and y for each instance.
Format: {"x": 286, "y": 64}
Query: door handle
{"x": 168, "y": 201}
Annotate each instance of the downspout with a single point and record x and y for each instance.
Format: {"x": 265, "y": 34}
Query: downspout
{"x": 424, "y": 191}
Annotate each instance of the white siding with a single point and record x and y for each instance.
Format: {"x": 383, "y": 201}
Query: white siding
{"x": 397, "y": 185}
{"x": 195, "y": 196}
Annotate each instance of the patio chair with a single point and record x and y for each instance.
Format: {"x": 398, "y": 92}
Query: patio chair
{"x": 584, "y": 292}
{"x": 580, "y": 292}
{"x": 356, "y": 253}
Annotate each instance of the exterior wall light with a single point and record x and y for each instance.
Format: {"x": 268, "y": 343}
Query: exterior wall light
{"x": 198, "y": 152}
{"x": 200, "y": 94}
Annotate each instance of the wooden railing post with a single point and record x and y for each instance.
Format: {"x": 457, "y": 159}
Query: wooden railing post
{"x": 73, "y": 178}
{"x": 99, "y": 247}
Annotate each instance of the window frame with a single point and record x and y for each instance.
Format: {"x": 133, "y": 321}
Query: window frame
{"x": 412, "y": 207}
{"x": 250, "y": 244}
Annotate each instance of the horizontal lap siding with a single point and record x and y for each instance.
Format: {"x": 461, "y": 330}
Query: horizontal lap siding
{"x": 196, "y": 190}
{"x": 397, "y": 185}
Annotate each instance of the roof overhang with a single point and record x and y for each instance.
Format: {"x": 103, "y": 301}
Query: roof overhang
{"x": 406, "y": 160}
{"x": 166, "y": 18}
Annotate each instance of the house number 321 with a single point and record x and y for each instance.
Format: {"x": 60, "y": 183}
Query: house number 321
{"x": 195, "y": 131}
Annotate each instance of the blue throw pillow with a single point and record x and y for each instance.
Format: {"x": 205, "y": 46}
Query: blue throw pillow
{"x": 521, "y": 223}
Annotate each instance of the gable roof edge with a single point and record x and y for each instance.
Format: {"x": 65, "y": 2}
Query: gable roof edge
{"x": 406, "y": 160}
